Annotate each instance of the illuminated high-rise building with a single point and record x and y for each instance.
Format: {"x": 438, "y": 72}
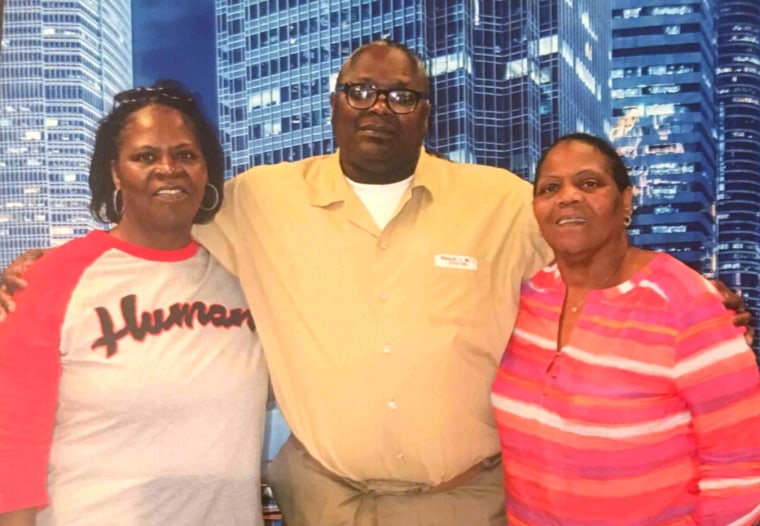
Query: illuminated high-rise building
{"x": 738, "y": 86}
{"x": 505, "y": 75}
{"x": 61, "y": 64}
{"x": 510, "y": 77}
{"x": 663, "y": 100}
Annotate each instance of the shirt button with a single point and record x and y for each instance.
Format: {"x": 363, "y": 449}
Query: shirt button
{"x": 387, "y": 349}
{"x": 383, "y": 295}
{"x": 392, "y": 404}
{"x": 399, "y": 455}
{"x": 383, "y": 245}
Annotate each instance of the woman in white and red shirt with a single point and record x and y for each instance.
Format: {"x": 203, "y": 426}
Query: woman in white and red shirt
{"x": 132, "y": 383}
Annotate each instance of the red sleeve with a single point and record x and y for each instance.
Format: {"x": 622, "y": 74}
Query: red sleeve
{"x": 29, "y": 375}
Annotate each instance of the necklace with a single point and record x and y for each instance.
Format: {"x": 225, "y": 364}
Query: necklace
{"x": 575, "y": 308}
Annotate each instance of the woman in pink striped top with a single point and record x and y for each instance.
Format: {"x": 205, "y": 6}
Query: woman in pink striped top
{"x": 626, "y": 395}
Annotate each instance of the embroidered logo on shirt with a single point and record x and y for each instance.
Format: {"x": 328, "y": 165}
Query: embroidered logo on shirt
{"x": 455, "y": 261}
{"x": 160, "y": 320}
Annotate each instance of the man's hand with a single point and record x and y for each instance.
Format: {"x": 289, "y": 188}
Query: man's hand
{"x": 733, "y": 301}
{"x": 12, "y": 279}
{"x": 25, "y": 517}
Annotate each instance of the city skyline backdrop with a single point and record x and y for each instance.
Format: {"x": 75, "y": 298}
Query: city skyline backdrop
{"x": 674, "y": 83}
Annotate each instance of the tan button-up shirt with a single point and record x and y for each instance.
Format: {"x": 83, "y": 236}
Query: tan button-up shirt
{"x": 382, "y": 345}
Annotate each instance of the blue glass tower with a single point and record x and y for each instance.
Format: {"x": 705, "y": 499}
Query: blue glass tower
{"x": 663, "y": 77}
{"x": 62, "y": 62}
{"x": 277, "y": 63}
{"x": 505, "y": 75}
{"x": 738, "y": 85}
{"x": 510, "y": 77}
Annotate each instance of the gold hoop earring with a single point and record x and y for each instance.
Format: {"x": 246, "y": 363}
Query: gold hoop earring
{"x": 118, "y": 211}
{"x": 216, "y": 199}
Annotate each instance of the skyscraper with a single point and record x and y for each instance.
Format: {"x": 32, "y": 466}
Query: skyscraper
{"x": 501, "y": 72}
{"x": 276, "y": 64}
{"x": 575, "y": 68}
{"x": 663, "y": 106}
{"x": 738, "y": 86}
{"x": 510, "y": 77}
{"x": 62, "y": 62}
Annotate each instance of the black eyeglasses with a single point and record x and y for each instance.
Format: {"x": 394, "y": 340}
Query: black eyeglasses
{"x": 364, "y": 96}
{"x": 156, "y": 93}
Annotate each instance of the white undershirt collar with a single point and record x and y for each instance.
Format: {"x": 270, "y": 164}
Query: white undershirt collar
{"x": 381, "y": 200}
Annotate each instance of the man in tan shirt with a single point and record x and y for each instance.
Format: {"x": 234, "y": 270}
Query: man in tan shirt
{"x": 384, "y": 282}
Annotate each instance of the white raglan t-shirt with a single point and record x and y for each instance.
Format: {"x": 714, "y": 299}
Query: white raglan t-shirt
{"x": 139, "y": 373}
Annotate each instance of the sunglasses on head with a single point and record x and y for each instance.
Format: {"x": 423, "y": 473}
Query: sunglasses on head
{"x": 154, "y": 93}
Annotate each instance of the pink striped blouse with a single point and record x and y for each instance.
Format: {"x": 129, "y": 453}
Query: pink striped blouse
{"x": 650, "y": 415}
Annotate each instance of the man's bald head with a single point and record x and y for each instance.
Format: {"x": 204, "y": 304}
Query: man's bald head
{"x": 414, "y": 59}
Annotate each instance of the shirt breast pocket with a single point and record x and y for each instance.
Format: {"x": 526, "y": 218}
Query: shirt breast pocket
{"x": 459, "y": 296}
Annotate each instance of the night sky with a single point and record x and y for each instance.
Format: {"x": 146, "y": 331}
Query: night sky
{"x": 175, "y": 39}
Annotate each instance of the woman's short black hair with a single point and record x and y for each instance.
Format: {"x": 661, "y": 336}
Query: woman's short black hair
{"x": 617, "y": 166}
{"x": 165, "y": 92}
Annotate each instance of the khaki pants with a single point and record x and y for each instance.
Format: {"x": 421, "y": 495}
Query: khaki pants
{"x": 307, "y": 496}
